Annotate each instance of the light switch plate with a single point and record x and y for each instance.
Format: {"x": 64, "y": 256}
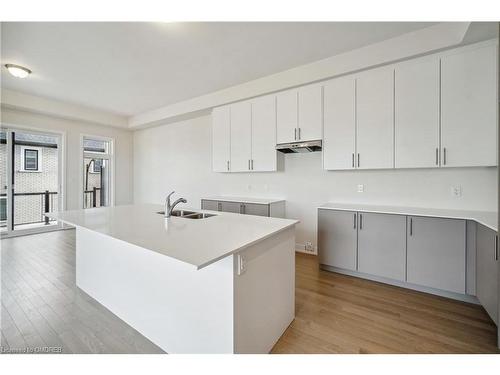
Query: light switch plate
{"x": 361, "y": 188}
{"x": 456, "y": 191}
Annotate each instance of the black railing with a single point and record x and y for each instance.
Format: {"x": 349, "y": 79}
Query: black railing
{"x": 93, "y": 196}
{"x": 46, "y": 205}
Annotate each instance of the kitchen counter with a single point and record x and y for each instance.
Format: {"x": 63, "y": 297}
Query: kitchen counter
{"x": 242, "y": 199}
{"x": 198, "y": 242}
{"x": 222, "y": 284}
{"x": 487, "y": 218}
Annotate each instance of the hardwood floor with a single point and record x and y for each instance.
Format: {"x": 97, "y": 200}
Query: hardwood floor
{"x": 343, "y": 314}
{"x": 42, "y": 307}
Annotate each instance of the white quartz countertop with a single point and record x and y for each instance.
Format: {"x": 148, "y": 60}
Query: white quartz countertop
{"x": 486, "y": 218}
{"x": 242, "y": 199}
{"x": 198, "y": 242}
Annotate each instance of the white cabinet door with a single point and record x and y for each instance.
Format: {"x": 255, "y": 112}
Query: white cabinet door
{"x": 339, "y": 133}
{"x": 374, "y": 102}
{"x": 382, "y": 245}
{"x": 417, "y": 114}
{"x": 221, "y": 139}
{"x": 436, "y": 253}
{"x": 468, "y": 108}
{"x": 241, "y": 136}
{"x": 310, "y": 113}
{"x": 337, "y": 238}
{"x": 286, "y": 116}
{"x": 264, "y": 133}
{"x": 487, "y": 270}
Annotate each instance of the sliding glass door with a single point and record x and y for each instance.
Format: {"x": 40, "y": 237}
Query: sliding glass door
{"x": 30, "y": 180}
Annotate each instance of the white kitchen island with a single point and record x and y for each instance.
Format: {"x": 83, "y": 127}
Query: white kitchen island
{"x": 222, "y": 284}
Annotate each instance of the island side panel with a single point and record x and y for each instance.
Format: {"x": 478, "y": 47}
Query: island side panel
{"x": 179, "y": 308}
{"x": 264, "y": 292}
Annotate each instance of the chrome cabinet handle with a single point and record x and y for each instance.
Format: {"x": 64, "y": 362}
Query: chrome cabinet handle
{"x": 228, "y": 165}
{"x": 354, "y": 221}
{"x": 295, "y": 130}
{"x": 444, "y": 156}
{"x": 496, "y": 248}
{"x": 437, "y": 156}
{"x": 251, "y": 164}
{"x": 353, "y": 159}
{"x": 299, "y": 133}
{"x": 248, "y": 164}
{"x": 411, "y": 227}
{"x": 358, "y": 159}
{"x": 360, "y": 221}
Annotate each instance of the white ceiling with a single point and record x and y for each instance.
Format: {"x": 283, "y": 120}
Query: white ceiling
{"x": 128, "y": 68}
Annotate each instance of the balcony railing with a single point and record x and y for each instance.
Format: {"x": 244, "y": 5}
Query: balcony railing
{"x": 92, "y": 194}
{"x": 46, "y": 205}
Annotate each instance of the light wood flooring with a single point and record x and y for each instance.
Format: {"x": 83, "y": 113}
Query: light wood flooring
{"x": 41, "y": 306}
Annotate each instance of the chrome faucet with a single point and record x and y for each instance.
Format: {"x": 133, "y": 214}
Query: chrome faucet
{"x": 170, "y": 207}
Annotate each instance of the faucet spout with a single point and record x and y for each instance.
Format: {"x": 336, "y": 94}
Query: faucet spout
{"x": 170, "y": 207}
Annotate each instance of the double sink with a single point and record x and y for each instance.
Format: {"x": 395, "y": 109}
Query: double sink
{"x": 188, "y": 214}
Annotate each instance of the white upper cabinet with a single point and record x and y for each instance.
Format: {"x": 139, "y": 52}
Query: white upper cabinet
{"x": 221, "y": 139}
{"x": 469, "y": 107}
{"x": 287, "y": 116}
{"x": 375, "y": 125}
{"x": 339, "y": 133}
{"x": 417, "y": 114}
{"x": 264, "y": 134}
{"x": 310, "y": 113}
{"x": 241, "y": 136}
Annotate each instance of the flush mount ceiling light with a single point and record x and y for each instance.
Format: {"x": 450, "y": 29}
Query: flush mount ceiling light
{"x": 18, "y": 70}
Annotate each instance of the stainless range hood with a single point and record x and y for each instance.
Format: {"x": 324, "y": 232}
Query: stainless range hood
{"x": 295, "y": 147}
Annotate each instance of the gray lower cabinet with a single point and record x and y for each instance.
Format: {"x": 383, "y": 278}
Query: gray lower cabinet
{"x": 487, "y": 270}
{"x": 436, "y": 252}
{"x": 337, "y": 238}
{"x": 244, "y": 208}
{"x": 382, "y": 245}
{"x": 256, "y": 209}
{"x": 210, "y": 205}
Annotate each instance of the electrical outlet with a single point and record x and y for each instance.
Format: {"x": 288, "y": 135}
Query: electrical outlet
{"x": 456, "y": 191}
{"x": 309, "y": 246}
{"x": 361, "y": 188}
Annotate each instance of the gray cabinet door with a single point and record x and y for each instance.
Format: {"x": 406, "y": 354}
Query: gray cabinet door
{"x": 234, "y": 207}
{"x": 256, "y": 209}
{"x": 337, "y": 238}
{"x": 436, "y": 253}
{"x": 382, "y": 245}
{"x": 209, "y": 205}
{"x": 487, "y": 271}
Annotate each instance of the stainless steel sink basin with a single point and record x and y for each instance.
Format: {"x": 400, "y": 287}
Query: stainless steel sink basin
{"x": 188, "y": 214}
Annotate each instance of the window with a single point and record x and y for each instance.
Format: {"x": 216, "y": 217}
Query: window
{"x": 97, "y": 171}
{"x": 97, "y": 164}
{"x": 31, "y": 159}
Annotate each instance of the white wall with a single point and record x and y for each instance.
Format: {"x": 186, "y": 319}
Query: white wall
{"x": 73, "y": 130}
{"x": 178, "y": 157}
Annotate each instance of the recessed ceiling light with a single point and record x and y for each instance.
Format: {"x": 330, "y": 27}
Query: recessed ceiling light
{"x": 18, "y": 70}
